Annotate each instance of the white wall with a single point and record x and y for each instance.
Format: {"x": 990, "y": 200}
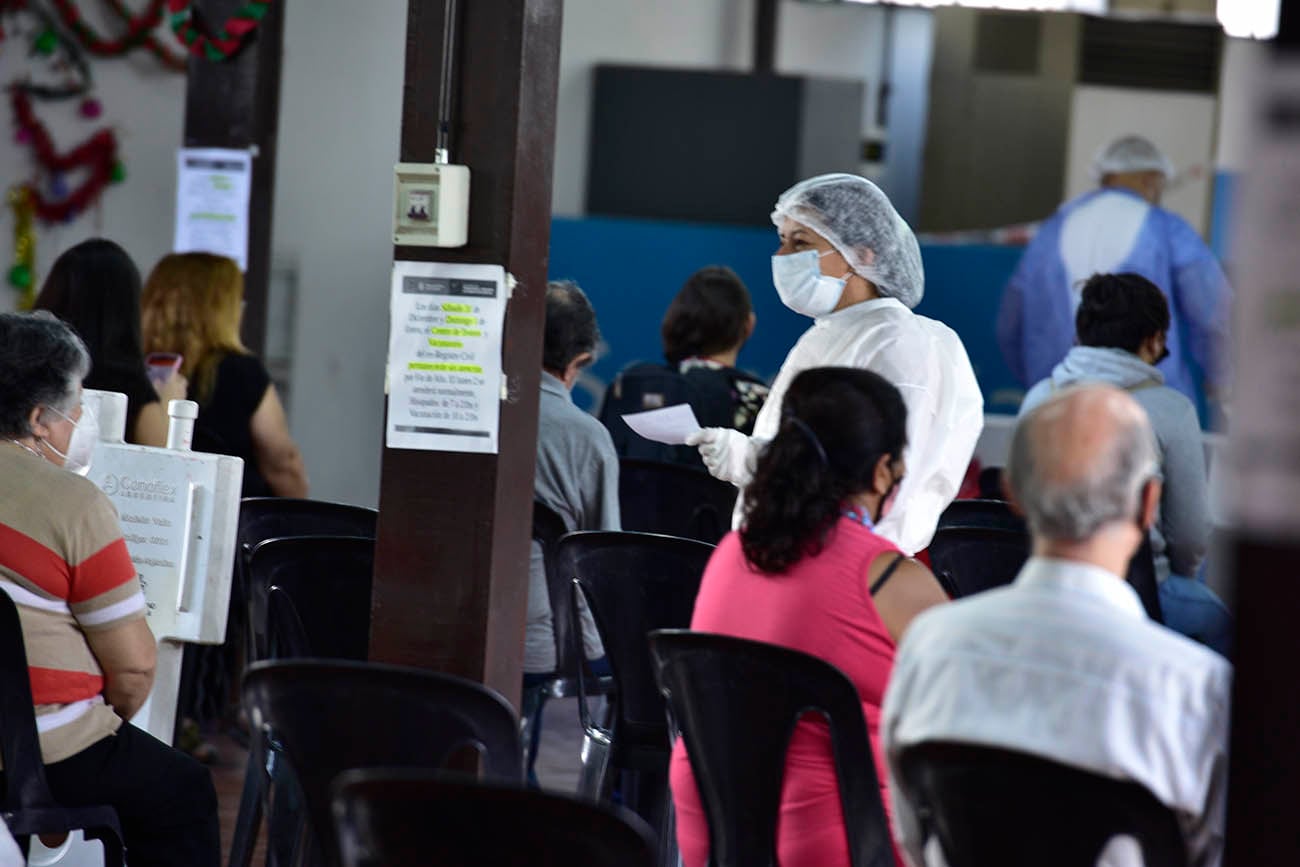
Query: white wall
{"x": 841, "y": 40}
{"x": 709, "y": 34}
{"x": 1242, "y": 61}
{"x": 340, "y": 125}
{"x": 1180, "y": 124}
{"x": 145, "y": 105}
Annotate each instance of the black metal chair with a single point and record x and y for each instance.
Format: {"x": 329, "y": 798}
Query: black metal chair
{"x": 307, "y": 596}
{"x": 736, "y": 703}
{"x": 29, "y": 807}
{"x": 995, "y": 806}
{"x": 328, "y": 717}
{"x": 983, "y": 544}
{"x": 634, "y": 583}
{"x": 405, "y": 818}
{"x": 548, "y": 529}
{"x": 673, "y": 500}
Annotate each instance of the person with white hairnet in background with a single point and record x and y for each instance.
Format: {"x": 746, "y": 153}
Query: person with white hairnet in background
{"x": 852, "y": 264}
{"x": 1119, "y": 228}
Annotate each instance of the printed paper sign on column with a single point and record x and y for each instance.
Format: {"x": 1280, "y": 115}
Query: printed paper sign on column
{"x": 444, "y": 356}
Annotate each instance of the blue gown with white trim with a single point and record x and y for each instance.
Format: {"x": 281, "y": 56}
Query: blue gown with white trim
{"x": 1113, "y": 230}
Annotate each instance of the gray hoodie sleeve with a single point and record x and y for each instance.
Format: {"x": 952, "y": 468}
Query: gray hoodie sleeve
{"x": 1185, "y": 504}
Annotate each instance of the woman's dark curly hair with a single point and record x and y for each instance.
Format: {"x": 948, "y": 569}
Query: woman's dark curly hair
{"x": 801, "y": 483}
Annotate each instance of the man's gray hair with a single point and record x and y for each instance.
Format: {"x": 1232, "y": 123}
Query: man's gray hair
{"x": 1074, "y": 503}
{"x": 42, "y": 364}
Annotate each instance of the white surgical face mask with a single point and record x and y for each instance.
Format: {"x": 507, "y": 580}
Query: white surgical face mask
{"x": 802, "y": 285}
{"x": 81, "y": 445}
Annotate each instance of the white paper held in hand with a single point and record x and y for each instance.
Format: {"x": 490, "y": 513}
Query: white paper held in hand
{"x": 671, "y": 425}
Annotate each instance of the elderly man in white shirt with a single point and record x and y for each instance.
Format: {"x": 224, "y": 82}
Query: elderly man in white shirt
{"x": 1063, "y": 664}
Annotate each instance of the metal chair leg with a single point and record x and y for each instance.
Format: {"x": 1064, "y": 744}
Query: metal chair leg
{"x": 595, "y": 765}
{"x": 249, "y": 819}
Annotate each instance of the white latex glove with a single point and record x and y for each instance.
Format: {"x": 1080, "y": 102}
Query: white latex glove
{"x": 728, "y": 454}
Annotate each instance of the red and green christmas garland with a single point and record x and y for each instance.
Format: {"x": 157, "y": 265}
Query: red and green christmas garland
{"x": 97, "y": 154}
{"x": 139, "y": 31}
{"x": 229, "y": 37}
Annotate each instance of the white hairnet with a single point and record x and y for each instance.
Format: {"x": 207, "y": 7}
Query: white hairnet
{"x": 858, "y": 220}
{"x": 1130, "y": 153}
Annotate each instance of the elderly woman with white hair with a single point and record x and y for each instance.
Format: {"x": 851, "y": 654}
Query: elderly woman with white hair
{"x": 852, "y": 264}
{"x": 66, "y": 566}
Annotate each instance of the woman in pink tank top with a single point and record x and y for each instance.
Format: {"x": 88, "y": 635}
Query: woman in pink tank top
{"x": 807, "y": 571}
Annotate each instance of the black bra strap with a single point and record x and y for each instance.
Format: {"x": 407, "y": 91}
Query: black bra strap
{"x": 889, "y": 571}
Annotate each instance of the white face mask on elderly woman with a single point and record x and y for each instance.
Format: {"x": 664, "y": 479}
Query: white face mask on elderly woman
{"x": 802, "y": 286}
{"x": 81, "y": 445}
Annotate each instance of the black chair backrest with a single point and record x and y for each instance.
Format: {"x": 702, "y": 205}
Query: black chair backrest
{"x": 405, "y": 818}
{"x": 286, "y": 634}
{"x": 328, "y": 581}
{"x": 982, "y": 544}
{"x": 548, "y": 529}
{"x": 20, "y": 748}
{"x": 262, "y": 518}
{"x": 673, "y": 500}
{"x": 995, "y": 806}
{"x": 635, "y": 583}
{"x": 329, "y": 717}
{"x": 996, "y": 514}
{"x": 1142, "y": 577}
{"x": 990, "y": 483}
{"x": 969, "y": 560}
{"x": 28, "y": 808}
{"x": 737, "y": 702}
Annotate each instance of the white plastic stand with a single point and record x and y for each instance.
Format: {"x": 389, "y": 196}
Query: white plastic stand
{"x": 179, "y": 511}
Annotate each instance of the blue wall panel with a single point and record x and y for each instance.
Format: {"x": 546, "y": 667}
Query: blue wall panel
{"x": 632, "y": 268}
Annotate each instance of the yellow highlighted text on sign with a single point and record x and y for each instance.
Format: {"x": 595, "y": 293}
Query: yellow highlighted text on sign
{"x": 441, "y": 367}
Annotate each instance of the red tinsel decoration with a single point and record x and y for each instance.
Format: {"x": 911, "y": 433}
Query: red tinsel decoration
{"x": 98, "y": 154}
{"x": 139, "y": 28}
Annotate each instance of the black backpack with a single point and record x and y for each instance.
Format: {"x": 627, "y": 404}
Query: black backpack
{"x": 644, "y": 386}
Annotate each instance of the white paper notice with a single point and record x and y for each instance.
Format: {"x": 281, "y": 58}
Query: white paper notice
{"x": 444, "y": 356}
{"x": 212, "y": 190}
{"x": 671, "y": 425}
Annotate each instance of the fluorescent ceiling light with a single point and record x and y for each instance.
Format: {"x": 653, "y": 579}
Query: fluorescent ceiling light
{"x": 1095, "y": 7}
{"x": 1256, "y": 19}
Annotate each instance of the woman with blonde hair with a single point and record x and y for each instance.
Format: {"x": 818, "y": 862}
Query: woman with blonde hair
{"x": 193, "y": 304}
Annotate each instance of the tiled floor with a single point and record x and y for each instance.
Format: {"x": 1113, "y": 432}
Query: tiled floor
{"x": 557, "y": 767}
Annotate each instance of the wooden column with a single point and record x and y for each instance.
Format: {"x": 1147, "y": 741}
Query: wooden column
{"x": 1264, "y": 758}
{"x": 451, "y": 565}
{"x": 236, "y": 104}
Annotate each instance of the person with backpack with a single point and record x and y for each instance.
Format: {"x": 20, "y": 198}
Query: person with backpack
{"x": 703, "y": 331}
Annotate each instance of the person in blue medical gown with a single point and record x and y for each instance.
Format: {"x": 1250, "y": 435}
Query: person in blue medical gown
{"x": 1119, "y": 227}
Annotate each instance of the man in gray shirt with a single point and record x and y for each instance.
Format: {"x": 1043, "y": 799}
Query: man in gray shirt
{"x": 577, "y": 477}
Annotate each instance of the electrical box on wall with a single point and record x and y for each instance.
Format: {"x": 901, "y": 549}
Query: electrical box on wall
{"x": 430, "y": 205}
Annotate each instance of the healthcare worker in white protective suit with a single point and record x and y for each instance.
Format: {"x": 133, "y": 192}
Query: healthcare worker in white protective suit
{"x": 848, "y": 260}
